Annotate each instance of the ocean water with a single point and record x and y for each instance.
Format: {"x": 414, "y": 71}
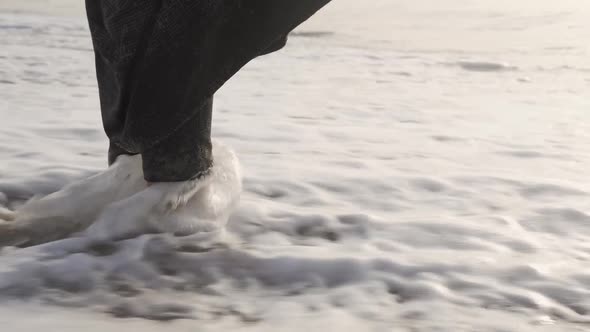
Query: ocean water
{"x": 407, "y": 166}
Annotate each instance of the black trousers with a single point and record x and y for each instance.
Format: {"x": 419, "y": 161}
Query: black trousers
{"x": 159, "y": 63}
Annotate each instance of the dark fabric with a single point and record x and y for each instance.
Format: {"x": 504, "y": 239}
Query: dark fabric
{"x": 159, "y": 62}
{"x": 115, "y": 151}
{"x": 183, "y": 155}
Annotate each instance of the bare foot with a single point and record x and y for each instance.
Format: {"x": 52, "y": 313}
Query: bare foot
{"x": 200, "y": 205}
